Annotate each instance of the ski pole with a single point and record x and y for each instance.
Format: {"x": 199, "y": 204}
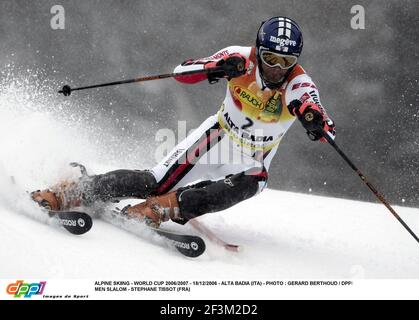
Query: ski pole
{"x": 66, "y": 90}
{"x": 369, "y": 185}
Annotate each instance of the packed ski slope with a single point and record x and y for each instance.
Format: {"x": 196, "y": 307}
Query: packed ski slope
{"x": 289, "y": 236}
{"x": 282, "y": 234}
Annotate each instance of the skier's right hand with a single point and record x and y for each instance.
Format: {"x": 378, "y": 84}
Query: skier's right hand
{"x": 232, "y": 66}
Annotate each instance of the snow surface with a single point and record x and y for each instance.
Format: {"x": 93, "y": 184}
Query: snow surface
{"x": 282, "y": 234}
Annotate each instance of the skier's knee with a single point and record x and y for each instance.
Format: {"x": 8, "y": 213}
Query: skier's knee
{"x": 218, "y": 195}
{"x": 261, "y": 175}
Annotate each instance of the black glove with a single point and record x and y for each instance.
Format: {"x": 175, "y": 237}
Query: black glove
{"x": 234, "y": 65}
{"x": 312, "y": 118}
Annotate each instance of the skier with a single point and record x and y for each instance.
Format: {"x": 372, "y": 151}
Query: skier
{"x": 266, "y": 91}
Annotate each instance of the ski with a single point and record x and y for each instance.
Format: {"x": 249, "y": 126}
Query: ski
{"x": 188, "y": 245}
{"x": 74, "y": 222}
{"x": 212, "y": 237}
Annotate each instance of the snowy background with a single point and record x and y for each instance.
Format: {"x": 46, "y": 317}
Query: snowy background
{"x": 367, "y": 81}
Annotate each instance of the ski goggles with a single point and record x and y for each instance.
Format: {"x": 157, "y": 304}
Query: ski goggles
{"x": 273, "y": 59}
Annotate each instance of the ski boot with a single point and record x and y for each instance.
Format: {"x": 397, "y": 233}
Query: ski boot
{"x": 156, "y": 210}
{"x": 62, "y": 196}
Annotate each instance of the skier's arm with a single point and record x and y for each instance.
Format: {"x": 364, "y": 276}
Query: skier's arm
{"x": 302, "y": 97}
{"x": 227, "y": 59}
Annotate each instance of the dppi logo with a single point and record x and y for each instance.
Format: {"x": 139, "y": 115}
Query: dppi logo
{"x": 27, "y": 290}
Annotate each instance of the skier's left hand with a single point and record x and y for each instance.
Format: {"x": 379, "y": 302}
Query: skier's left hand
{"x": 313, "y": 119}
